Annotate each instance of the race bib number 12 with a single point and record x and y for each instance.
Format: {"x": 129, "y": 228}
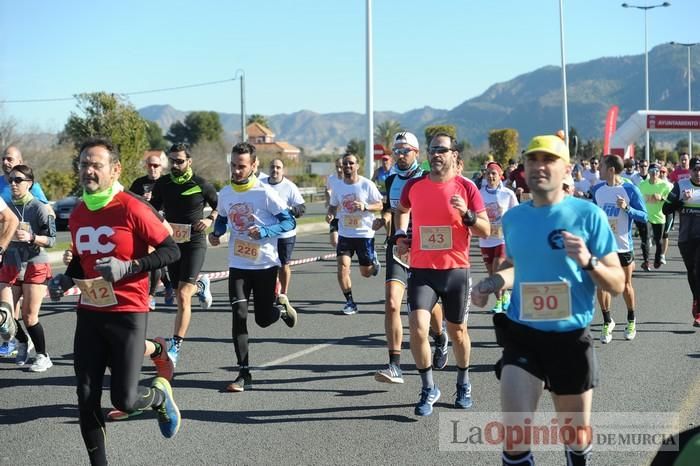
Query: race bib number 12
{"x": 96, "y": 292}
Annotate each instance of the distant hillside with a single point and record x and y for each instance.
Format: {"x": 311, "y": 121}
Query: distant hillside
{"x": 530, "y": 103}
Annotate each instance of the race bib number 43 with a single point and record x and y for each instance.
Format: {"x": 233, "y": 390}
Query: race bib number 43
{"x": 181, "y": 232}
{"x": 435, "y": 238}
{"x": 545, "y": 301}
{"x": 96, "y": 292}
{"x": 246, "y": 249}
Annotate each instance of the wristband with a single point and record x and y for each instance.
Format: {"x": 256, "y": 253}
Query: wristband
{"x": 211, "y": 217}
{"x": 469, "y": 219}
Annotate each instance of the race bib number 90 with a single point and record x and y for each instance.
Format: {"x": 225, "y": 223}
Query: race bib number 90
{"x": 182, "y": 232}
{"x": 545, "y": 301}
{"x": 246, "y": 249}
{"x": 96, "y": 292}
{"x": 435, "y": 238}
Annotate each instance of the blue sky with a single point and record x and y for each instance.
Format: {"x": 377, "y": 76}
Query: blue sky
{"x": 303, "y": 54}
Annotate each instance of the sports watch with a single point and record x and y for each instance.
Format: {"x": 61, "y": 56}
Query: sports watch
{"x": 592, "y": 263}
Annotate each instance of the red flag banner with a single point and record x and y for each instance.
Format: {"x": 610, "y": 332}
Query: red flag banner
{"x": 610, "y": 126}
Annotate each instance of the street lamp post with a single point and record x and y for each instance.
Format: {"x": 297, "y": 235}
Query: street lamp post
{"x": 646, "y": 8}
{"x": 690, "y": 101}
{"x": 240, "y": 74}
{"x": 563, "y": 71}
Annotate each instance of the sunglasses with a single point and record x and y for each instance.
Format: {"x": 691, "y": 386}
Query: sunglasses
{"x": 177, "y": 161}
{"x": 438, "y": 150}
{"x": 348, "y": 163}
{"x": 17, "y": 180}
{"x": 405, "y": 151}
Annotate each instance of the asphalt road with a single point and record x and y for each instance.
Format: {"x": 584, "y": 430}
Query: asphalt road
{"x": 314, "y": 399}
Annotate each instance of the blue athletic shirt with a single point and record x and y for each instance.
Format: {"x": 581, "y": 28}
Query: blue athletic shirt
{"x": 536, "y": 248}
{"x": 620, "y": 221}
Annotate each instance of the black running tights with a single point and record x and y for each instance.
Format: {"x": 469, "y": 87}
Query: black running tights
{"x": 690, "y": 252}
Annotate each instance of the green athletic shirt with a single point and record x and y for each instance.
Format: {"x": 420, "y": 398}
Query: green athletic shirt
{"x": 647, "y": 189}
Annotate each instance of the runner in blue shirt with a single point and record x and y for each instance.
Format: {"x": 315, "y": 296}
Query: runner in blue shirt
{"x": 562, "y": 248}
{"x": 10, "y": 159}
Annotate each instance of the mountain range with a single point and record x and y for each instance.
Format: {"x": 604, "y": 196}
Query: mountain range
{"x": 531, "y": 103}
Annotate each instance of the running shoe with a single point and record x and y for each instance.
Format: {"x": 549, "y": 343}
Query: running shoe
{"x": 8, "y": 349}
{"x": 9, "y": 328}
{"x": 694, "y": 309}
{"x": 152, "y": 303}
{"x": 376, "y": 265}
{"x": 173, "y": 351}
{"x": 428, "y": 397}
{"x": 168, "y": 414}
{"x": 657, "y": 263}
{"x": 440, "y": 353}
{"x": 391, "y": 374}
{"x": 42, "y": 363}
{"x": 645, "y": 266}
{"x": 350, "y": 308}
{"x": 463, "y": 396}
{"x": 116, "y": 415}
{"x": 169, "y": 296}
{"x": 505, "y": 299}
{"x": 243, "y": 382}
{"x": 165, "y": 367}
{"x": 498, "y": 308}
{"x": 205, "y": 298}
{"x": 630, "y": 330}
{"x": 23, "y": 351}
{"x": 696, "y": 321}
{"x": 663, "y": 259}
{"x": 606, "y": 334}
{"x": 288, "y": 314}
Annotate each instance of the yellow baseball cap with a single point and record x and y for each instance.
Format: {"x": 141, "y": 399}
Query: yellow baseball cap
{"x": 549, "y": 144}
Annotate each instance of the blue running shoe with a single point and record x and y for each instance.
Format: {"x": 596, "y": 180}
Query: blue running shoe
{"x": 173, "y": 351}
{"x": 169, "y": 296}
{"x": 440, "y": 353}
{"x": 168, "y": 414}
{"x": 376, "y": 265}
{"x": 428, "y": 397}
{"x": 464, "y": 396}
{"x": 8, "y": 329}
{"x": 8, "y": 349}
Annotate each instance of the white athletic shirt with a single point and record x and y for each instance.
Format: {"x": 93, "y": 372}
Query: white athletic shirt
{"x": 257, "y": 206}
{"x": 354, "y": 223}
{"x": 290, "y": 194}
{"x": 497, "y": 201}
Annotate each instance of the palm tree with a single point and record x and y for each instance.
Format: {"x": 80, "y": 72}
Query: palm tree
{"x": 384, "y": 132}
{"x": 257, "y": 118}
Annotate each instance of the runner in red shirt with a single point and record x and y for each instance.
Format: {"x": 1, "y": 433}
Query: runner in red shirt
{"x": 111, "y": 232}
{"x": 445, "y": 210}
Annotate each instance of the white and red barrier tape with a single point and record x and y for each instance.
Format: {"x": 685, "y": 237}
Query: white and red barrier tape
{"x": 218, "y": 276}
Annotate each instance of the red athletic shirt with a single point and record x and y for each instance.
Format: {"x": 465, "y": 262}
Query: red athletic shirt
{"x": 124, "y": 229}
{"x": 679, "y": 174}
{"x": 440, "y": 240}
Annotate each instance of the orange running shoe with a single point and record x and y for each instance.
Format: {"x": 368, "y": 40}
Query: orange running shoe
{"x": 164, "y": 366}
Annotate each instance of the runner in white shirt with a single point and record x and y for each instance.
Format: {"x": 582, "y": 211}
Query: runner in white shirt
{"x": 497, "y": 200}
{"x": 255, "y": 215}
{"x": 8, "y": 225}
{"x": 352, "y": 203}
{"x": 332, "y": 180}
{"x": 289, "y": 193}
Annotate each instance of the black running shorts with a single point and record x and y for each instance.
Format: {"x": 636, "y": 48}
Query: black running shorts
{"x": 452, "y": 287}
{"x": 191, "y": 261}
{"x": 364, "y": 247}
{"x": 285, "y": 248}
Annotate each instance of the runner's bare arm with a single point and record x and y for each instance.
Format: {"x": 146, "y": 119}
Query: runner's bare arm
{"x": 9, "y": 226}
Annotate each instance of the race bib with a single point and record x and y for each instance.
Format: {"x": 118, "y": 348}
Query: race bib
{"x": 246, "y": 249}
{"x": 96, "y": 292}
{"x": 24, "y": 226}
{"x": 181, "y": 232}
{"x": 352, "y": 221}
{"x": 435, "y": 238}
{"x": 613, "y": 224}
{"x": 496, "y": 230}
{"x": 545, "y": 301}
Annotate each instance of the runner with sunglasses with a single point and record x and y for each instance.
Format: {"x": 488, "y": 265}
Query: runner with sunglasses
{"x": 182, "y": 196}
{"x": 445, "y": 210}
{"x": 155, "y": 162}
{"x": 406, "y": 151}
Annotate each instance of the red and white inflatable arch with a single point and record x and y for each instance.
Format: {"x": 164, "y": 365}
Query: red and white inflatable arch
{"x": 653, "y": 120}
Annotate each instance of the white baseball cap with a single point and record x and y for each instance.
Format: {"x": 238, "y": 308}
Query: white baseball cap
{"x": 404, "y": 137}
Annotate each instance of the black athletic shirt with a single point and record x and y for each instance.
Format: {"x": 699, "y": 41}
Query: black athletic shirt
{"x": 142, "y": 185}
{"x": 184, "y": 203}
